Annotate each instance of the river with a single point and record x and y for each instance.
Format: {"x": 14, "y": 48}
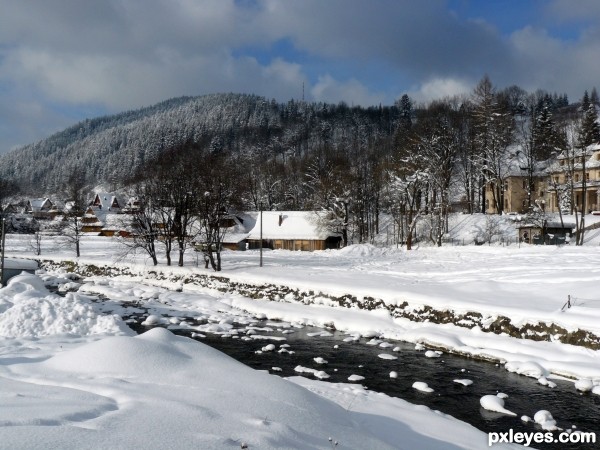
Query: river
{"x": 346, "y": 357}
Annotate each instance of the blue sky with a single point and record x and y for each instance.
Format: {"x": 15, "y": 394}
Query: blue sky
{"x": 62, "y": 61}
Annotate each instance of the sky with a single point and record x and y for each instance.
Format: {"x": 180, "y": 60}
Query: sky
{"x": 62, "y": 61}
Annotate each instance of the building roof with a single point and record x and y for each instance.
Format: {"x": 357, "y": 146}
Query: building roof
{"x": 118, "y": 222}
{"x": 108, "y": 201}
{"x": 243, "y": 223}
{"x": 105, "y": 204}
{"x": 591, "y": 158}
{"x": 289, "y": 225}
{"x": 38, "y": 204}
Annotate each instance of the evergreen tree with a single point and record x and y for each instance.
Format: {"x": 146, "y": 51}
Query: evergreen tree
{"x": 545, "y": 134}
{"x": 406, "y": 112}
{"x": 590, "y": 130}
{"x": 585, "y": 102}
{"x": 594, "y": 97}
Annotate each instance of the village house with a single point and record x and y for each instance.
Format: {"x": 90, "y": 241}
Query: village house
{"x": 101, "y": 216}
{"x": 292, "y": 230}
{"x": 236, "y": 229}
{"x": 41, "y": 208}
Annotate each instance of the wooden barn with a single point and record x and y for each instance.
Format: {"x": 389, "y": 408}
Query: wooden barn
{"x": 292, "y": 230}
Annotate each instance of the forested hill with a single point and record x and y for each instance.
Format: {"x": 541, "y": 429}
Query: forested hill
{"x": 108, "y": 149}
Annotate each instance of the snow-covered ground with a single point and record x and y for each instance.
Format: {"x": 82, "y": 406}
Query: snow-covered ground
{"x": 72, "y": 377}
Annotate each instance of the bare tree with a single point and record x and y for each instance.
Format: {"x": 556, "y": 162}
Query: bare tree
{"x": 406, "y": 188}
{"x": 71, "y": 227}
{"x": 170, "y": 188}
{"x": 330, "y": 183}
{"x": 493, "y": 135}
{"x": 144, "y": 228}
{"x": 437, "y": 141}
{"x": 218, "y": 194}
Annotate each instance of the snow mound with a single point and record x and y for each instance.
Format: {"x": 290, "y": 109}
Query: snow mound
{"x": 494, "y": 403}
{"x": 545, "y": 382}
{"x": 28, "y": 309}
{"x": 545, "y": 420}
{"x": 527, "y": 368}
{"x": 212, "y": 399}
{"x": 464, "y": 381}
{"x": 421, "y": 386}
{"x": 154, "y": 353}
{"x": 584, "y": 385}
{"x": 355, "y": 378}
{"x": 320, "y": 374}
{"x": 268, "y": 348}
{"x": 362, "y": 251}
{"x": 387, "y": 356}
{"x": 25, "y": 282}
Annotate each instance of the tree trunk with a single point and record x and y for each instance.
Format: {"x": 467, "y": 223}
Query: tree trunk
{"x": 152, "y": 252}
{"x": 211, "y": 259}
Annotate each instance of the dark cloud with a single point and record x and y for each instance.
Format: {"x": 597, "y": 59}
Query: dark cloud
{"x": 122, "y": 54}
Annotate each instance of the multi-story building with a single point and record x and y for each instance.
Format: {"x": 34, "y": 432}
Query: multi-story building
{"x": 573, "y": 177}
{"x": 579, "y": 172}
{"x": 515, "y": 193}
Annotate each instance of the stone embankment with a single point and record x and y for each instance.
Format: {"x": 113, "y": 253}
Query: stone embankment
{"x": 540, "y": 331}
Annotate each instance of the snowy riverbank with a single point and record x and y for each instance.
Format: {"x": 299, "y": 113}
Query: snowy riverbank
{"x": 89, "y": 383}
{"x": 514, "y": 282}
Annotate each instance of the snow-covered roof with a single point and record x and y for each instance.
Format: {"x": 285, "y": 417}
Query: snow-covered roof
{"x": 38, "y": 204}
{"x": 591, "y": 158}
{"x": 243, "y": 223}
{"x": 516, "y": 165}
{"x": 107, "y": 201}
{"x": 118, "y": 222}
{"x": 289, "y": 225}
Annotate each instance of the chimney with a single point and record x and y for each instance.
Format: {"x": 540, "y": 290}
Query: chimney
{"x": 280, "y": 219}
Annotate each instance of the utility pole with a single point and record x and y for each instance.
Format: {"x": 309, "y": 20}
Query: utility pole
{"x": 260, "y": 245}
{"x": 2, "y": 256}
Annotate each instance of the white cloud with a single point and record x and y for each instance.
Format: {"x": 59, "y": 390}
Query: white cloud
{"x": 439, "y": 88}
{"x": 327, "y": 89}
{"x": 549, "y": 63}
{"x": 128, "y": 53}
{"x": 567, "y": 10}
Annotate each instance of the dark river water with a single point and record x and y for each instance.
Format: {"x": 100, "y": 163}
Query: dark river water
{"x": 526, "y": 396}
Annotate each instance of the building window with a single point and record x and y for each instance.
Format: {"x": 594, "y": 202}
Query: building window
{"x": 524, "y": 184}
{"x": 587, "y": 176}
{"x": 576, "y": 177}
